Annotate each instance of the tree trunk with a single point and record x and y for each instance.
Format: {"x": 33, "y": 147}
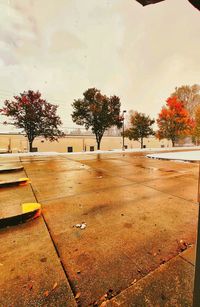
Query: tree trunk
{"x": 98, "y": 145}
{"x": 30, "y": 146}
{"x": 141, "y": 143}
{"x": 98, "y": 139}
{"x": 173, "y": 143}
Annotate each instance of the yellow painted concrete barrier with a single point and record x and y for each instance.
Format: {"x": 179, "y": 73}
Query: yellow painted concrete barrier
{"x": 29, "y": 211}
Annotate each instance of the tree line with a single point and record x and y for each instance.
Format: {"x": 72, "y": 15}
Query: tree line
{"x": 178, "y": 118}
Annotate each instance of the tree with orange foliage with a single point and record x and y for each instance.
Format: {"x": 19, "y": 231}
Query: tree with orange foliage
{"x": 174, "y": 121}
{"x": 196, "y": 133}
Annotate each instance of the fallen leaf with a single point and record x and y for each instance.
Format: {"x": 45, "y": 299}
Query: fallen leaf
{"x": 162, "y": 261}
{"x": 103, "y": 298}
{"x": 78, "y": 295}
{"x": 43, "y": 259}
{"x": 103, "y": 304}
{"x": 55, "y": 285}
{"x": 46, "y": 293}
{"x": 133, "y": 281}
{"x": 109, "y": 294}
{"x": 30, "y": 286}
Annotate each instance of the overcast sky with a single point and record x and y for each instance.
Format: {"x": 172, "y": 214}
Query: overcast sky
{"x": 63, "y": 47}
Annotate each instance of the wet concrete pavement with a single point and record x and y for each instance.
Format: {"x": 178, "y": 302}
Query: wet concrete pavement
{"x": 169, "y": 285}
{"x": 138, "y": 213}
{"x": 31, "y": 274}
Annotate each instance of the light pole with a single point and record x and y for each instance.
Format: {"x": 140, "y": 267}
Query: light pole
{"x": 196, "y": 292}
{"x": 83, "y": 143}
{"x": 124, "y": 111}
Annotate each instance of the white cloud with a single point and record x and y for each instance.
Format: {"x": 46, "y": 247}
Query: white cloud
{"x": 63, "y": 47}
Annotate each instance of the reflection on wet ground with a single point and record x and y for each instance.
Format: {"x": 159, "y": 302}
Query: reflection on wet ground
{"x": 135, "y": 209}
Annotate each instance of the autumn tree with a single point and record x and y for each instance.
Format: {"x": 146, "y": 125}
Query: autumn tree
{"x": 174, "y": 121}
{"x": 189, "y": 95}
{"x": 97, "y": 111}
{"x": 34, "y": 115}
{"x": 128, "y": 118}
{"x": 196, "y": 133}
{"x": 140, "y": 127}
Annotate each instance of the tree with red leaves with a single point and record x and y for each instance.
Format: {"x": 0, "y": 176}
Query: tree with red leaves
{"x": 174, "y": 121}
{"x": 97, "y": 111}
{"x": 34, "y": 115}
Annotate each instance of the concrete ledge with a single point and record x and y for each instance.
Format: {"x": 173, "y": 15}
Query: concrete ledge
{"x": 8, "y": 169}
{"x": 113, "y": 151}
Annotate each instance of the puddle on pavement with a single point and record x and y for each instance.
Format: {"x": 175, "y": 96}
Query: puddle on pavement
{"x": 147, "y": 167}
{"x": 161, "y": 169}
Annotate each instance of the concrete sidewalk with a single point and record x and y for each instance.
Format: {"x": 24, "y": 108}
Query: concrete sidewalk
{"x": 140, "y": 216}
{"x": 31, "y": 273}
{"x": 169, "y": 285}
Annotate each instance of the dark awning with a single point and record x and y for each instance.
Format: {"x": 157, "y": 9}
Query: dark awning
{"x": 146, "y": 2}
{"x": 196, "y": 3}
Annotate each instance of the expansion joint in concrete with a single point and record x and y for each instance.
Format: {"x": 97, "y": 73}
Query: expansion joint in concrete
{"x": 52, "y": 240}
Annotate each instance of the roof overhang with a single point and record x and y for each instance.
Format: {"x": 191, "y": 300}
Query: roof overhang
{"x": 196, "y": 3}
{"x": 146, "y": 2}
